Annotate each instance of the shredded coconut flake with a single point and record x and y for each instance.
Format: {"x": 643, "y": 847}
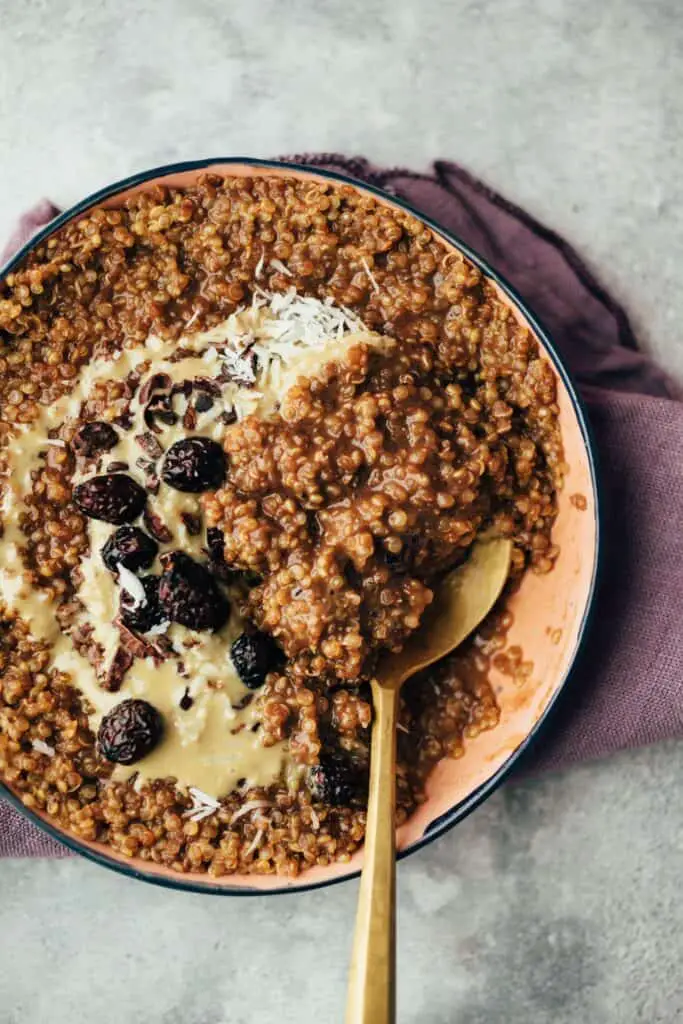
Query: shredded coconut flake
{"x": 279, "y": 265}
{"x": 251, "y": 805}
{"x": 315, "y": 820}
{"x": 160, "y": 628}
{"x": 192, "y": 318}
{"x": 201, "y": 797}
{"x": 256, "y": 841}
{"x": 402, "y": 727}
{"x": 371, "y": 276}
{"x": 43, "y": 748}
{"x": 56, "y": 442}
{"x": 239, "y": 366}
{"x": 201, "y": 813}
{"x": 203, "y": 805}
{"x": 269, "y": 344}
{"x": 258, "y": 269}
{"x": 129, "y": 582}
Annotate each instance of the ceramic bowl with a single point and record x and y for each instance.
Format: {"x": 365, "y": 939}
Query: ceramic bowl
{"x": 550, "y": 613}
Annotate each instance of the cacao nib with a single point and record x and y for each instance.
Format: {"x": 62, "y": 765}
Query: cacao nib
{"x": 120, "y": 664}
{"x": 157, "y": 527}
{"x": 149, "y": 444}
{"x": 94, "y": 438}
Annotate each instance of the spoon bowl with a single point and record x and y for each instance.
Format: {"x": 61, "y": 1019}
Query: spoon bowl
{"x": 463, "y": 598}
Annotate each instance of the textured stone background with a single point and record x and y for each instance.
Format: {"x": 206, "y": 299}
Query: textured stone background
{"x": 559, "y": 901}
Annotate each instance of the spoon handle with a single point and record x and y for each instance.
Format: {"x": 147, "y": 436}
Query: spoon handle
{"x": 372, "y": 982}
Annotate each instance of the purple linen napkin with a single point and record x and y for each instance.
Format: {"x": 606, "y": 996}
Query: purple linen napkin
{"x": 627, "y": 689}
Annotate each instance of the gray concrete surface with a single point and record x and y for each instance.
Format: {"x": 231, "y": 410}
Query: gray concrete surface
{"x": 560, "y": 900}
{"x": 557, "y": 902}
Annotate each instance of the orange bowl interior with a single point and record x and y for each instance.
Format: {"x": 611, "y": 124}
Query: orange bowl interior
{"x": 548, "y": 619}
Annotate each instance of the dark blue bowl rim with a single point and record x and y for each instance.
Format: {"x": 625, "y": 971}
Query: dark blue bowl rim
{"x": 446, "y": 821}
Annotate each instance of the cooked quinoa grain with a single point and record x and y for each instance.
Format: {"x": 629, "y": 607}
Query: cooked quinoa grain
{"x": 296, "y": 539}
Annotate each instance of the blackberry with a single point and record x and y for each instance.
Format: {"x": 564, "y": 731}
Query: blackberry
{"x": 254, "y": 655}
{"x": 129, "y": 731}
{"x": 131, "y": 547}
{"x": 337, "y": 781}
{"x": 140, "y": 617}
{"x": 194, "y": 464}
{"x": 115, "y": 498}
{"x": 189, "y": 595}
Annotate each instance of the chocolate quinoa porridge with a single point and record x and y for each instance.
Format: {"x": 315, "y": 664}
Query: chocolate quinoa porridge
{"x": 245, "y": 427}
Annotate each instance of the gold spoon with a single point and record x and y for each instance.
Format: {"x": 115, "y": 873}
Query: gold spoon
{"x": 463, "y": 599}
